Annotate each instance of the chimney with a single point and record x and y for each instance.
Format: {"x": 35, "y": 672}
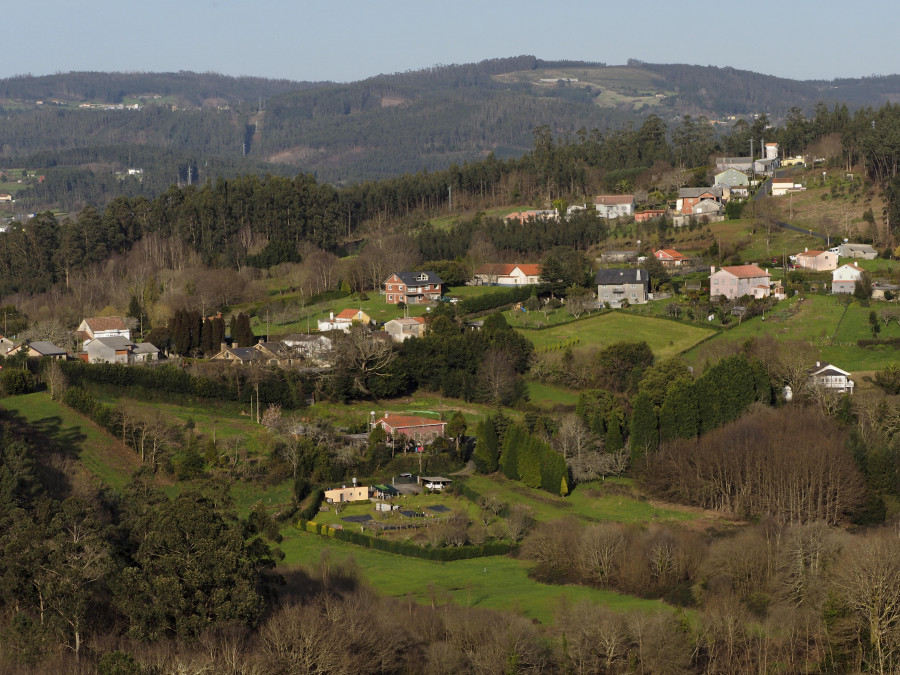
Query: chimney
{"x": 331, "y": 316}
{"x": 818, "y": 365}
{"x": 638, "y": 277}
{"x": 712, "y": 269}
{"x": 805, "y": 249}
{"x": 223, "y": 347}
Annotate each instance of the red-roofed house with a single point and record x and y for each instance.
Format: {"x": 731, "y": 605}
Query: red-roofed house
{"x": 738, "y": 281}
{"x": 669, "y": 257}
{"x": 613, "y": 206}
{"x": 417, "y": 428}
{"x": 817, "y": 261}
{"x": 844, "y": 278}
{"x": 343, "y": 320}
{"x": 503, "y": 274}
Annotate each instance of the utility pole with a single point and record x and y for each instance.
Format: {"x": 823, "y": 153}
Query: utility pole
{"x": 257, "y": 403}
{"x": 450, "y": 192}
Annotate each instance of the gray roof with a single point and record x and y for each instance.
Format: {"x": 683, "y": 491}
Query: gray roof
{"x": 411, "y": 278}
{"x": 46, "y": 348}
{"x": 696, "y": 192}
{"x": 114, "y": 342}
{"x": 615, "y": 277}
{"x": 145, "y": 348}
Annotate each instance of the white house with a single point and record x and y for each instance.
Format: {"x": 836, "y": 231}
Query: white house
{"x": 614, "y": 206}
{"x": 844, "y": 278}
{"x": 344, "y": 320}
{"x": 832, "y": 378}
{"x": 783, "y": 186}
{"x": 103, "y": 327}
{"x": 503, "y": 274}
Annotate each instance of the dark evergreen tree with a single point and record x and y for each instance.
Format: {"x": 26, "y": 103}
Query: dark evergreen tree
{"x": 613, "y": 441}
{"x": 643, "y": 438}
{"x": 486, "y": 454}
{"x": 679, "y": 416}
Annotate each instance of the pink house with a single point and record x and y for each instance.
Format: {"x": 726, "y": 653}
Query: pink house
{"x": 817, "y": 261}
{"x": 738, "y": 281}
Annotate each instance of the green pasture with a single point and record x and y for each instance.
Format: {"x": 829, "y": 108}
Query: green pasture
{"x": 610, "y": 500}
{"x": 496, "y": 582}
{"x": 97, "y": 450}
{"x": 666, "y": 338}
{"x": 817, "y": 320}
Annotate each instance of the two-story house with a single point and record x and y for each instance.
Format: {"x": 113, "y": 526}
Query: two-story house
{"x": 614, "y": 206}
{"x": 689, "y": 198}
{"x": 739, "y": 280}
{"x": 103, "y": 327}
{"x": 844, "y": 278}
{"x": 401, "y": 330}
{"x": 413, "y": 288}
{"x": 616, "y": 286}
{"x": 817, "y": 261}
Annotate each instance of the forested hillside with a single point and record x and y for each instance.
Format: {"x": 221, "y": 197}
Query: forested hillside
{"x": 189, "y": 128}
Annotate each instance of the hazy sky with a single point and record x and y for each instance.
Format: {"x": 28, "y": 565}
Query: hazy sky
{"x": 352, "y": 40}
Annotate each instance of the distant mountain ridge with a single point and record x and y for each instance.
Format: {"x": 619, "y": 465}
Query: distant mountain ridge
{"x": 375, "y": 128}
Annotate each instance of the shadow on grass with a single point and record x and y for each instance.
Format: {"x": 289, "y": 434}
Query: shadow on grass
{"x": 51, "y": 442}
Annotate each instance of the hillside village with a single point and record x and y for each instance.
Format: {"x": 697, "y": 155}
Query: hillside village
{"x": 642, "y": 423}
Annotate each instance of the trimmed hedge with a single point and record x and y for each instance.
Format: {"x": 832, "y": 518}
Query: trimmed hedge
{"x": 494, "y": 299}
{"x": 286, "y": 391}
{"x": 445, "y": 554}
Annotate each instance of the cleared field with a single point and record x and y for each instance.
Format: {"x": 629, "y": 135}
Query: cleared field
{"x": 495, "y": 582}
{"x": 99, "y": 452}
{"x": 666, "y": 338}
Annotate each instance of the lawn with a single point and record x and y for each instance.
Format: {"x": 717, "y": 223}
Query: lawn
{"x": 666, "y": 338}
{"x": 611, "y": 500}
{"x": 549, "y": 396}
{"x": 98, "y": 451}
{"x": 817, "y": 319}
{"x": 495, "y": 582}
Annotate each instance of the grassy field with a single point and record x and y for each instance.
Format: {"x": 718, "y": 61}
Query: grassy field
{"x": 549, "y": 396}
{"x": 98, "y": 451}
{"x": 821, "y": 320}
{"x": 612, "y": 500}
{"x": 666, "y": 338}
{"x": 493, "y": 582}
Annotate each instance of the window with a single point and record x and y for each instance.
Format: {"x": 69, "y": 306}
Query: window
{"x": 390, "y": 298}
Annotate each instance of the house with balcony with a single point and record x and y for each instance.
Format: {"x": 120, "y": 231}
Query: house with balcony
{"x": 413, "y": 288}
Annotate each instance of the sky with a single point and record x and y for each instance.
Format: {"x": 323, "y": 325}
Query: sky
{"x": 349, "y": 40}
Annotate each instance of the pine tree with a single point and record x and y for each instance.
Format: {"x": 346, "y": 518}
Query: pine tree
{"x": 233, "y": 330}
{"x": 644, "y": 436}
